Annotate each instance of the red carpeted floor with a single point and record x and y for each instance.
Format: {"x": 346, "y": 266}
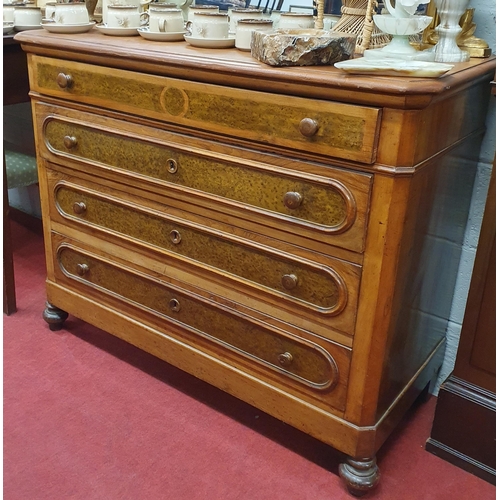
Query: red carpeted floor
{"x": 89, "y": 417}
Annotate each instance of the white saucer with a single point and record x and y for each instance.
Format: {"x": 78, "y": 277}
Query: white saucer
{"x": 67, "y": 28}
{"x": 210, "y": 43}
{"x": 27, "y": 27}
{"x": 106, "y": 30}
{"x": 394, "y": 67}
{"x": 161, "y": 37}
{"x": 7, "y": 27}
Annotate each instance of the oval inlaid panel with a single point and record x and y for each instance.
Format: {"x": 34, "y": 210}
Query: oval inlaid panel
{"x": 301, "y": 360}
{"x": 315, "y": 287}
{"x": 330, "y": 205}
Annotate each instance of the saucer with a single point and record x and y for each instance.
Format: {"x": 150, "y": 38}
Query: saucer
{"x": 67, "y": 28}
{"x": 211, "y": 43}
{"x": 18, "y": 27}
{"x": 106, "y": 30}
{"x": 161, "y": 37}
{"x": 7, "y": 27}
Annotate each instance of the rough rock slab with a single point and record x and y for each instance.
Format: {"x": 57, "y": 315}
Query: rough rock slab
{"x": 301, "y": 47}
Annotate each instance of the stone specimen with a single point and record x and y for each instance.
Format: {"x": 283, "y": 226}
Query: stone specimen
{"x": 301, "y": 47}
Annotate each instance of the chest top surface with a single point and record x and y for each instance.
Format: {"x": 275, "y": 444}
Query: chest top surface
{"x": 231, "y": 67}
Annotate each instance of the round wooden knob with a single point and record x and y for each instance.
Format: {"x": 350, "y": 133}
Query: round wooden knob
{"x": 292, "y": 200}
{"x": 64, "y": 81}
{"x": 172, "y": 166}
{"x": 82, "y": 269}
{"x": 289, "y": 281}
{"x": 285, "y": 359}
{"x": 79, "y": 207}
{"x": 175, "y": 236}
{"x": 70, "y": 141}
{"x": 308, "y": 127}
{"x": 174, "y": 305}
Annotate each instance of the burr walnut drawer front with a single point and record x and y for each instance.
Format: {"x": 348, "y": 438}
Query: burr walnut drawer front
{"x": 314, "y": 206}
{"x": 296, "y": 285}
{"x": 316, "y": 126}
{"x": 318, "y": 368}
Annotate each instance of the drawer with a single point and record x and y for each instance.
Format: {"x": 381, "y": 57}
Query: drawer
{"x": 325, "y": 294}
{"x": 332, "y": 208}
{"x": 309, "y": 125}
{"x": 318, "y": 370}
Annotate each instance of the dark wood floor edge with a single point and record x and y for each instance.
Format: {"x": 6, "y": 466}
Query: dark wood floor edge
{"x": 460, "y": 460}
{"x": 29, "y": 221}
{"x": 470, "y": 392}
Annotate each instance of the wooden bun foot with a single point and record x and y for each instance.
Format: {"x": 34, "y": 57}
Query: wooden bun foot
{"x": 360, "y": 476}
{"x": 54, "y": 316}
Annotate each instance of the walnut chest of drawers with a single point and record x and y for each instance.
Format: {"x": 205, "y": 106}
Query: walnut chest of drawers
{"x": 289, "y": 235}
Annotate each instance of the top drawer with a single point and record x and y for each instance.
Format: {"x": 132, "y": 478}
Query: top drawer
{"x": 316, "y": 126}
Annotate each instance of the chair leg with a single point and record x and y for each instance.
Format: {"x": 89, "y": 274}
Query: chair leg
{"x": 9, "y": 287}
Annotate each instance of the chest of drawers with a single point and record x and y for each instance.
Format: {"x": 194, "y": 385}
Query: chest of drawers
{"x": 291, "y": 235}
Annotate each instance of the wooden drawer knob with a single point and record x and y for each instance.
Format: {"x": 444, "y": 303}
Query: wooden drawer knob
{"x": 175, "y": 237}
{"x": 64, "y": 81}
{"x": 285, "y": 359}
{"x": 308, "y": 127}
{"x": 82, "y": 269}
{"x": 174, "y": 305}
{"x": 292, "y": 200}
{"x": 289, "y": 281}
{"x": 79, "y": 207}
{"x": 70, "y": 141}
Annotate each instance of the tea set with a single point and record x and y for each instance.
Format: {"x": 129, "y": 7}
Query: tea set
{"x": 199, "y": 25}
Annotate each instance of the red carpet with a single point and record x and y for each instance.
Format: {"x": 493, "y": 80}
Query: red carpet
{"x": 88, "y": 417}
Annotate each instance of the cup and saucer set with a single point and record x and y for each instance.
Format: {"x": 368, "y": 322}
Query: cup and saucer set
{"x": 161, "y": 22}
{"x": 220, "y": 30}
{"x": 64, "y": 17}
{"x": 207, "y": 27}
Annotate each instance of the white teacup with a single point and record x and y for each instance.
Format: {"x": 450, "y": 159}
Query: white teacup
{"x": 27, "y": 15}
{"x": 125, "y": 16}
{"x": 8, "y": 13}
{"x": 193, "y": 9}
{"x": 237, "y": 14}
{"x": 294, "y": 20}
{"x": 165, "y": 19}
{"x": 140, "y": 4}
{"x": 70, "y": 13}
{"x": 244, "y": 30}
{"x": 213, "y": 25}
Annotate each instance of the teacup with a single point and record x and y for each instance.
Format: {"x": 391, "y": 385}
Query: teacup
{"x": 8, "y": 13}
{"x": 193, "y": 9}
{"x": 125, "y": 16}
{"x": 27, "y": 15}
{"x": 69, "y": 13}
{"x": 213, "y": 25}
{"x": 237, "y": 14}
{"x": 165, "y": 19}
{"x": 140, "y": 4}
{"x": 244, "y": 30}
{"x": 294, "y": 20}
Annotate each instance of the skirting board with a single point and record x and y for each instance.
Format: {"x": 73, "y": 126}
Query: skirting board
{"x": 463, "y": 432}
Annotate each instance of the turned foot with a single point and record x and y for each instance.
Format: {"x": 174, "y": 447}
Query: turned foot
{"x": 360, "y": 476}
{"x": 54, "y": 316}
